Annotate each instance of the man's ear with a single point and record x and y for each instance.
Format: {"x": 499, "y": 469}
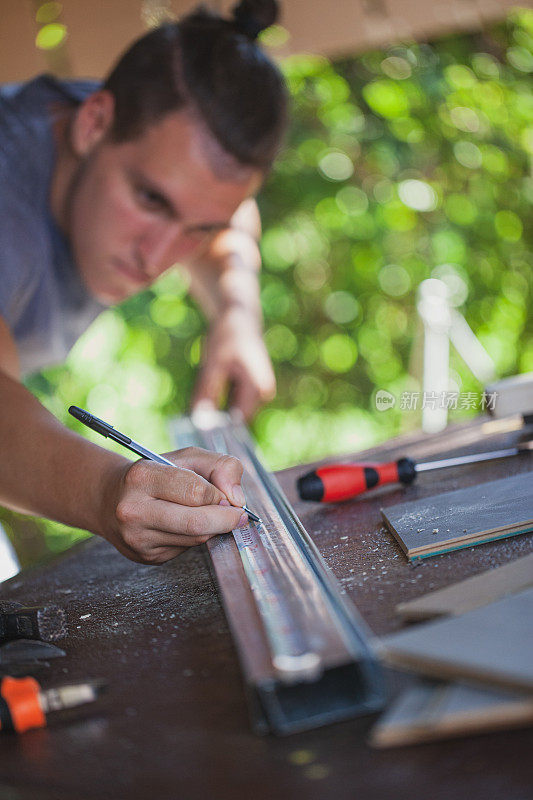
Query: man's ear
{"x": 92, "y": 121}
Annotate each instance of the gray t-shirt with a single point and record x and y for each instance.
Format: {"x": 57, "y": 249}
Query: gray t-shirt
{"x": 42, "y": 298}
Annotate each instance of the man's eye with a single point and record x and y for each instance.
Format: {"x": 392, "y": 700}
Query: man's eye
{"x": 150, "y": 199}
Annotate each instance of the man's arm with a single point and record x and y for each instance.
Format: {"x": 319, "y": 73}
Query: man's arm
{"x": 224, "y": 279}
{"x": 150, "y": 512}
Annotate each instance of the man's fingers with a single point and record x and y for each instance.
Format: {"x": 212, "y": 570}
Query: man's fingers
{"x": 210, "y": 385}
{"x": 180, "y": 484}
{"x": 246, "y": 398}
{"x": 178, "y": 524}
{"x": 159, "y": 524}
{"x": 222, "y": 471}
{"x": 164, "y": 509}
{"x": 154, "y": 531}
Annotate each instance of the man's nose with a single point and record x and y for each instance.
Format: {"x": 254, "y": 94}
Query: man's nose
{"x": 155, "y": 246}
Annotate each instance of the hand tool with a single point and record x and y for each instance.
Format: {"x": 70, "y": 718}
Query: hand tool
{"x": 23, "y": 656}
{"x": 27, "y": 651}
{"x": 107, "y": 430}
{"x": 305, "y": 652}
{"x": 24, "y": 704}
{"x": 335, "y": 482}
{"x": 46, "y": 623}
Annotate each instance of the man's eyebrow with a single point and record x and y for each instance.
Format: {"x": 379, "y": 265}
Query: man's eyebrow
{"x": 146, "y": 183}
{"x": 208, "y": 227}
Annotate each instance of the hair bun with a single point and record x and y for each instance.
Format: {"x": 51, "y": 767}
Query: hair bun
{"x": 250, "y": 17}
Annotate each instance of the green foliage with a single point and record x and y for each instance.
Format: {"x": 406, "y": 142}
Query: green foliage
{"x": 401, "y": 165}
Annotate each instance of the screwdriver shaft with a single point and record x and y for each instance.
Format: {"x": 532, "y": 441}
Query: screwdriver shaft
{"x": 471, "y": 459}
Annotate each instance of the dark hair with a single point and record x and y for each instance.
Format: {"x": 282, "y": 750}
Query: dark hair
{"x": 214, "y": 66}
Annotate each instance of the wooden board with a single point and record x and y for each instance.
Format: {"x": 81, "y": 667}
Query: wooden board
{"x": 471, "y": 593}
{"x": 493, "y": 645}
{"x": 463, "y": 518}
{"x": 429, "y": 711}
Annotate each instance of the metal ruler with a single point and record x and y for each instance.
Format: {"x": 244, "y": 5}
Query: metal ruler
{"x": 304, "y": 650}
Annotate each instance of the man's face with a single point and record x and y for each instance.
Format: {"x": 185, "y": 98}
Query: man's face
{"x": 138, "y": 207}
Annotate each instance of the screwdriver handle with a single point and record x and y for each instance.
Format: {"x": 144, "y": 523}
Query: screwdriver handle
{"x": 20, "y": 705}
{"x": 336, "y": 482}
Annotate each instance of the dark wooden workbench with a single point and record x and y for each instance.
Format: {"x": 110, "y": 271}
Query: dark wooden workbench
{"x": 174, "y": 722}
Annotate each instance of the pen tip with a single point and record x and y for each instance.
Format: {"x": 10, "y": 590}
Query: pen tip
{"x": 251, "y": 515}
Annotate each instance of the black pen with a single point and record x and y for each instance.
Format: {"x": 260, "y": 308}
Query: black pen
{"x": 108, "y": 431}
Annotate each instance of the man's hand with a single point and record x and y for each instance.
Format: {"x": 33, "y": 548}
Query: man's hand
{"x": 235, "y": 363}
{"x": 159, "y": 511}
{"x": 224, "y": 278}
{"x": 150, "y": 512}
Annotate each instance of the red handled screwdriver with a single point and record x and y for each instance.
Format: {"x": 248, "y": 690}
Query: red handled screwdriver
{"x": 25, "y": 705}
{"x": 336, "y": 482}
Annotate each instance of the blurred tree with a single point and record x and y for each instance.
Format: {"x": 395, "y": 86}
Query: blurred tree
{"x": 403, "y": 164}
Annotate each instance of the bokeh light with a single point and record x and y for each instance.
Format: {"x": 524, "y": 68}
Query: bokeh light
{"x": 51, "y": 36}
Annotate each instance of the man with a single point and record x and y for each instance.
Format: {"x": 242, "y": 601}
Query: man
{"x": 102, "y": 191}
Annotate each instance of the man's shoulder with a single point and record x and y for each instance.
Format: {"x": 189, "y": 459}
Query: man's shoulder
{"x": 27, "y": 149}
{"x": 23, "y": 228}
{"x": 24, "y": 241}
{"x": 26, "y": 115}
{"x": 46, "y": 87}
{"x": 15, "y": 209}
{"x": 27, "y": 154}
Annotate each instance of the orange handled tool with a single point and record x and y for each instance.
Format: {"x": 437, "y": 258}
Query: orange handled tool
{"x": 24, "y": 705}
{"x": 342, "y": 481}
{"x": 336, "y": 482}
{"x": 20, "y": 705}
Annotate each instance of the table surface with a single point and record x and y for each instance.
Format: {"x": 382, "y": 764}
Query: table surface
{"x": 174, "y": 722}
